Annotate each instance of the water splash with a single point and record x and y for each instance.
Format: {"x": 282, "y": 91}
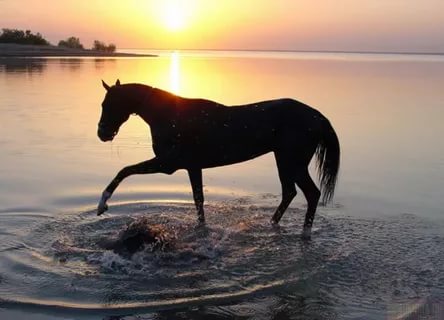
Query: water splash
{"x": 352, "y": 266}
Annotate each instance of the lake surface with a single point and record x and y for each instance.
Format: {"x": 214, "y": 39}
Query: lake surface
{"x": 376, "y": 251}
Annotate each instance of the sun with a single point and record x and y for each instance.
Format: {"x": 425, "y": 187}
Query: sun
{"x": 174, "y": 15}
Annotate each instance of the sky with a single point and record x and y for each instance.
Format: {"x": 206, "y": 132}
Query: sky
{"x": 313, "y": 25}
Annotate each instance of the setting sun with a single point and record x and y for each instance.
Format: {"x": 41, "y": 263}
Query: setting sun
{"x": 174, "y": 15}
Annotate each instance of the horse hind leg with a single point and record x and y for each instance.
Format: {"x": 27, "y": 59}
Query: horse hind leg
{"x": 293, "y": 170}
{"x": 312, "y": 195}
{"x": 287, "y": 183}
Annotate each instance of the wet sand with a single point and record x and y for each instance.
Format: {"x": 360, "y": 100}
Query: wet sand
{"x": 20, "y": 50}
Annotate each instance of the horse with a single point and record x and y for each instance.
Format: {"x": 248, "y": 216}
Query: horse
{"x": 195, "y": 134}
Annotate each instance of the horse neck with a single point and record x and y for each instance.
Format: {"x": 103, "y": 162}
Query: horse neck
{"x": 158, "y": 106}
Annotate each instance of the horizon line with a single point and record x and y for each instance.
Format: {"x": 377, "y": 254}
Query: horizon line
{"x": 295, "y": 51}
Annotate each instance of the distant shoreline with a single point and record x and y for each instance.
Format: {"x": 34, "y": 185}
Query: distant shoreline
{"x": 8, "y": 50}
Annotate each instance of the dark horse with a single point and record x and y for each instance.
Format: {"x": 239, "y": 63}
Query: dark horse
{"x": 194, "y": 134}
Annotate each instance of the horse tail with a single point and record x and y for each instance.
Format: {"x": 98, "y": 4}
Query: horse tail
{"x": 328, "y": 158}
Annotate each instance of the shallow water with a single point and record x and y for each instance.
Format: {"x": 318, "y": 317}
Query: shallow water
{"x": 376, "y": 252}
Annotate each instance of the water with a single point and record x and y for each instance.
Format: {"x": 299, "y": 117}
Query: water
{"x": 376, "y": 252}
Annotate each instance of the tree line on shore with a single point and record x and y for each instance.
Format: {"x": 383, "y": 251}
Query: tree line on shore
{"x": 27, "y": 37}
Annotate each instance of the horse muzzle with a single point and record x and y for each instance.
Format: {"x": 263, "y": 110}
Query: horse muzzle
{"x": 106, "y": 135}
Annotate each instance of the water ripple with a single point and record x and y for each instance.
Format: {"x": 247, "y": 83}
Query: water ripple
{"x": 351, "y": 267}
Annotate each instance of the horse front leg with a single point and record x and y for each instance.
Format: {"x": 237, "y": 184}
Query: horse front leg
{"x": 196, "y": 184}
{"x": 154, "y": 165}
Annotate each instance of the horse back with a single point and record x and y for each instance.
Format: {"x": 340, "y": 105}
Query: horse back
{"x": 205, "y": 134}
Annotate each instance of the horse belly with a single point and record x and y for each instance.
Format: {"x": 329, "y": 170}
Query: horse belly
{"x": 233, "y": 146}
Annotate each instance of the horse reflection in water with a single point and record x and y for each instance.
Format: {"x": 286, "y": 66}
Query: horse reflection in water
{"x": 194, "y": 134}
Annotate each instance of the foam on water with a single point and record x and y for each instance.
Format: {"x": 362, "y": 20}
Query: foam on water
{"x": 350, "y": 269}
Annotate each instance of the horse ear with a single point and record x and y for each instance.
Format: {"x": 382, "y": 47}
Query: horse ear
{"x": 118, "y": 82}
{"x": 105, "y": 85}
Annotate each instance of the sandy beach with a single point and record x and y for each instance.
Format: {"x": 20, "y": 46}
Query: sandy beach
{"x": 20, "y": 50}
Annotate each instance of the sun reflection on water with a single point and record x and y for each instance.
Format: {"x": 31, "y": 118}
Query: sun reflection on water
{"x": 175, "y": 72}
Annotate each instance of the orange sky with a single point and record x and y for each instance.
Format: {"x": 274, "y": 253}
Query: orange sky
{"x": 350, "y": 25}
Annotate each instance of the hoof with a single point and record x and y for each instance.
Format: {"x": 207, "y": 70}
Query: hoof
{"x": 274, "y": 222}
{"x": 306, "y": 234}
{"x": 102, "y": 204}
{"x": 201, "y": 220}
{"x": 200, "y": 217}
{"x": 101, "y": 209}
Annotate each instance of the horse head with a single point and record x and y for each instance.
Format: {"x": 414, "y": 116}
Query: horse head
{"x": 116, "y": 109}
